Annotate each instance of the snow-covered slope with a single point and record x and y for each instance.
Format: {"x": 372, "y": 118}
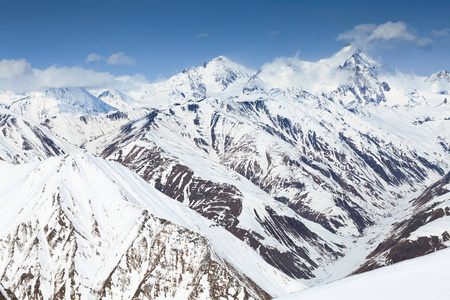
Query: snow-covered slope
{"x": 344, "y": 173}
{"x": 118, "y": 100}
{"x": 22, "y": 140}
{"x": 335, "y": 169}
{"x": 421, "y": 278}
{"x": 310, "y": 169}
{"x": 74, "y": 114}
{"x": 7, "y": 97}
{"x": 439, "y": 76}
{"x": 186, "y": 173}
{"x": 60, "y": 236}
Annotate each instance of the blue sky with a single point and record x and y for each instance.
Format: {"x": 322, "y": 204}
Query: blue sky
{"x": 160, "y": 38}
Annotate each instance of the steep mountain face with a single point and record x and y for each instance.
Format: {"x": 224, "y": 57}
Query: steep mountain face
{"x": 288, "y": 154}
{"x": 305, "y": 170}
{"x": 22, "y": 140}
{"x": 363, "y": 83}
{"x": 181, "y": 170}
{"x": 61, "y": 238}
{"x": 347, "y": 77}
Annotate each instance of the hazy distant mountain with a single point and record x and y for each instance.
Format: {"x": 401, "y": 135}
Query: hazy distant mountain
{"x": 439, "y": 76}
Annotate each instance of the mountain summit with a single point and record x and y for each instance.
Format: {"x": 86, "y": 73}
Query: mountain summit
{"x": 55, "y": 101}
{"x": 215, "y": 77}
{"x": 438, "y": 77}
{"x": 78, "y": 101}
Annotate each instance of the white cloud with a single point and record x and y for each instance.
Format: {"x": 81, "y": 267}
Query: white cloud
{"x": 358, "y": 34}
{"x": 366, "y": 35}
{"x": 19, "y": 76}
{"x": 13, "y": 68}
{"x": 202, "y": 35}
{"x": 392, "y": 31}
{"x": 93, "y": 57}
{"x": 120, "y": 59}
{"x": 321, "y": 76}
{"x": 424, "y": 42}
{"x": 72, "y": 77}
{"x": 444, "y": 33}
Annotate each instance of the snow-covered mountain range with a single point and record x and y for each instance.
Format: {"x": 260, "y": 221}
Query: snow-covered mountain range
{"x": 223, "y": 181}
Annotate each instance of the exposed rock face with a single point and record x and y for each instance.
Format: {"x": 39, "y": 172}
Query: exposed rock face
{"x": 221, "y": 202}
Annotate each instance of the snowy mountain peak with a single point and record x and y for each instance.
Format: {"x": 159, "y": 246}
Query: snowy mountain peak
{"x": 224, "y": 72}
{"x": 439, "y": 76}
{"x": 117, "y": 99}
{"x": 61, "y": 92}
{"x": 54, "y": 101}
{"x": 197, "y": 83}
{"x": 219, "y": 59}
{"x": 78, "y": 100}
{"x": 360, "y": 63}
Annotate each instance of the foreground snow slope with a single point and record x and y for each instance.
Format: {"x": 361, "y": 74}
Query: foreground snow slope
{"x": 83, "y": 227}
{"x": 425, "y": 277}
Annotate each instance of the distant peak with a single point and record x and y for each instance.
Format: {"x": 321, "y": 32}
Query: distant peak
{"x": 67, "y": 92}
{"x": 110, "y": 93}
{"x": 66, "y": 89}
{"x": 219, "y": 60}
{"x": 348, "y": 54}
{"x": 441, "y": 75}
{"x": 347, "y": 46}
{"x": 359, "y": 61}
{"x": 76, "y": 100}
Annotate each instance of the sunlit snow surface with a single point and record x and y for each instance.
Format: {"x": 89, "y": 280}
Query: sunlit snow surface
{"x": 425, "y": 277}
{"x": 409, "y": 118}
{"x": 104, "y": 202}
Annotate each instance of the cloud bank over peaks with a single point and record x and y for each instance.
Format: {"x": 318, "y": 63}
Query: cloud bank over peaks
{"x": 324, "y": 75}
{"x": 18, "y": 75}
{"x": 10, "y": 68}
{"x": 390, "y": 34}
{"x": 365, "y": 36}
